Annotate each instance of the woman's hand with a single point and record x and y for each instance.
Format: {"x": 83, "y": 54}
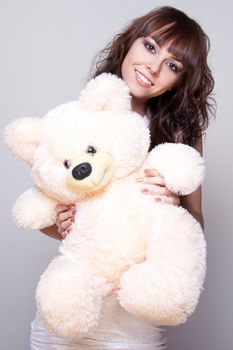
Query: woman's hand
{"x": 65, "y": 218}
{"x": 155, "y": 186}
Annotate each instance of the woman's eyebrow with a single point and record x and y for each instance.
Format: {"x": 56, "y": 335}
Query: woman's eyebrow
{"x": 177, "y": 59}
{"x": 154, "y": 39}
{"x": 172, "y": 56}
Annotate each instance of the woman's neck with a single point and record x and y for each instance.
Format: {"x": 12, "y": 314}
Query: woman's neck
{"x": 139, "y": 106}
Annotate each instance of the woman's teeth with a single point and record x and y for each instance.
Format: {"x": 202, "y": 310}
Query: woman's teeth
{"x": 143, "y": 79}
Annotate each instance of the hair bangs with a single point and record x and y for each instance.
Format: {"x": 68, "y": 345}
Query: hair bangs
{"x": 183, "y": 41}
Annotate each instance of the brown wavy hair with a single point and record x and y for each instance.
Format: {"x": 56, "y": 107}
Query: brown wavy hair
{"x": 182, "y": 114}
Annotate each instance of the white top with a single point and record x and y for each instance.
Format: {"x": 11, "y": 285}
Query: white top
{"x": 146, "y": 119}
{"x": 117, "y": 330}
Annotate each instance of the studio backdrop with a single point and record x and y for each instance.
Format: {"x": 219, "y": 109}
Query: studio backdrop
{"x": 47, "y": 48}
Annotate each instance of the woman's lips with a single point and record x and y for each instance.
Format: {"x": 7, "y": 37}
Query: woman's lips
{"x": 142, "y": 80}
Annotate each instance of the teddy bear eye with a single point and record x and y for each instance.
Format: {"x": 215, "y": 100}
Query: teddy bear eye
{"x": 91, "y": 149}
{"x": 67, "y": 163}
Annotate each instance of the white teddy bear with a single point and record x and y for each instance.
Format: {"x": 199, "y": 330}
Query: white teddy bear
{"x": 90, "y": 152}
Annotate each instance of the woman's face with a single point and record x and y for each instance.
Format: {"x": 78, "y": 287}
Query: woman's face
{"x": 150, "y": 70}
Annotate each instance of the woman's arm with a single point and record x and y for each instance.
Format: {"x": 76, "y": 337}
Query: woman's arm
{"x": 52, "y": 231}
{"x": 192, "y": 203}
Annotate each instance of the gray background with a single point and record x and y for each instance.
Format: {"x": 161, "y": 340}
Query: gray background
{"x": 46, "y": 48}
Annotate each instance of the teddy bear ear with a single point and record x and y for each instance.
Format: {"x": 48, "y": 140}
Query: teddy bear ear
{"x": 23, "y": 136}
{"x": 105, "y": 92}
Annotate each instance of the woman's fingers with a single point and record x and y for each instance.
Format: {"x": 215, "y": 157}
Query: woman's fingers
{"x": 64, "y": 225}
{"x": 151, "y": 172}
{"x": 173, "y": 200}
{"x": 156, "y": 190}
{"x": 61, "y": 208}
{"x": 65, "y": 233}
{"x": 152, "y": 176}
{"x": 157, "y": 180}
{"x": 153, "y": 184}
{"x": 65, "y": 218}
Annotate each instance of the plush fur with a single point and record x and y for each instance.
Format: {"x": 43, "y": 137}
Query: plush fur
{"x": 151, "y": 255}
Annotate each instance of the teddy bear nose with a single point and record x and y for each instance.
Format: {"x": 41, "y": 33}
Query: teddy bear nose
{"x": 82, "y": 171}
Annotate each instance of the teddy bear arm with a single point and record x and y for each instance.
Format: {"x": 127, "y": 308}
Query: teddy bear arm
{"x": 181, "y": 166}
{"x": 33, "y": 210}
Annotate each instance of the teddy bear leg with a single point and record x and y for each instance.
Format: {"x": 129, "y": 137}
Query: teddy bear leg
{"x": 166, "y": 287}
{"x": 144, "y": 292}
{"x": 68, "y": 298}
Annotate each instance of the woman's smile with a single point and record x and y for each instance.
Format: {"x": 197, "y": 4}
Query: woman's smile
{"x": 142, "y": 79}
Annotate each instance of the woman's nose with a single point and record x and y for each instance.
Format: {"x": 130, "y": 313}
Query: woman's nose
{"x": 153, "y": 68}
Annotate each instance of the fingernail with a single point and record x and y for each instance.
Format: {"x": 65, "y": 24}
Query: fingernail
{"x": 158, "y": 199}
{"x": 145, "y": 190}
{"x": 139, "y": 179}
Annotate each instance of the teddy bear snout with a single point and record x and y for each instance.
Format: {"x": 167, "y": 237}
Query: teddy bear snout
{"x": 82, "y": 171}
{"x": 89, "y": 173}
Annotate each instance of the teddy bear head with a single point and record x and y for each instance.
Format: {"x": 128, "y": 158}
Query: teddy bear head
{"x": 79, "y": 147}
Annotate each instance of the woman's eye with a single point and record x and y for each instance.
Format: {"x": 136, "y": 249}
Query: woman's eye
{"x": 150, "y": 47}
{"x": 91, "y": 149}
{"x": 173, "y": 67}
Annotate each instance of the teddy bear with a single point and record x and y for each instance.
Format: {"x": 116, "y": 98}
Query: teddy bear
{"x": 151, "y": 255}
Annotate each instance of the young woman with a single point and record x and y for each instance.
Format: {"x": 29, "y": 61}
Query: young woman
{"x": 162, "y": 57}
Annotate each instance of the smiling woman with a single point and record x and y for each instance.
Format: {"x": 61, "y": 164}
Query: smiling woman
{"x": 162, "y": 57}
{"x": 149, "y": 70}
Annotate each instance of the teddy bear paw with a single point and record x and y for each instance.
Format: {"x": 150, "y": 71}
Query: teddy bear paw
{"x": 68, "y": 299}
{"x": 145, "y": 292}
